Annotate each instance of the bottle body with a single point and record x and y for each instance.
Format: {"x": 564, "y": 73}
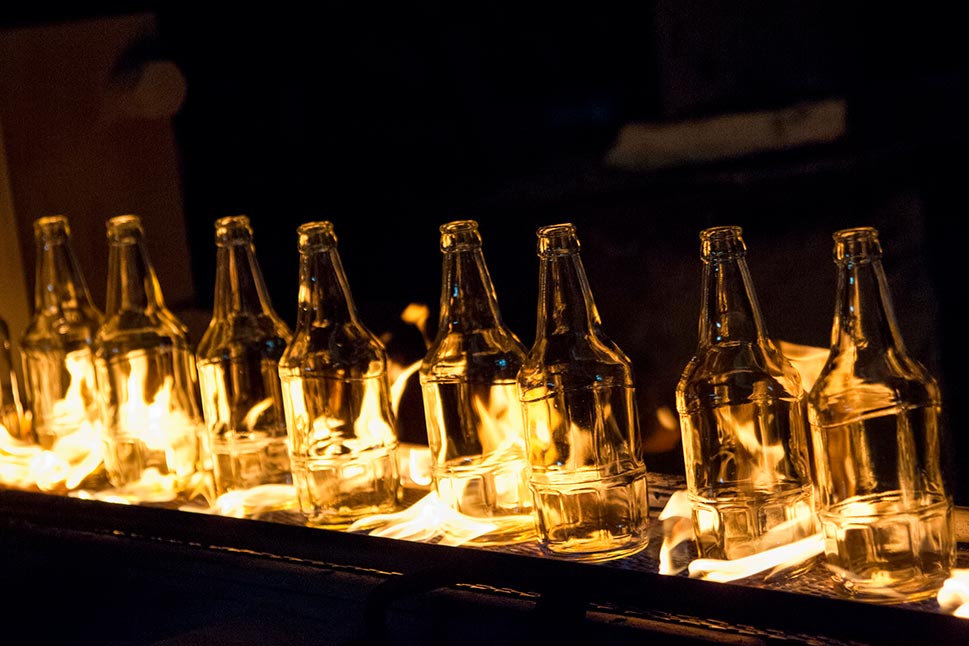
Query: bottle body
{"x": 468, "y": 381}
{"x": 336, "y": 396}
{"x": 875, "y": 417}
{"x": 156, "y": 449}
{"x": 58, "y": 362}
{"x": 577, "y": 389}
{"x": 743, "y": 419}
{"x": 238, "y": 366}
{"x": 744, "y": 447}
{"x": 11, "y": 404}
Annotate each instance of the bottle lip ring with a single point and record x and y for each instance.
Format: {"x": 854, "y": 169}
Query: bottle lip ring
{"x": 557, "y": 239}
{"x": 856, "y": 244}
{"x": 722, "y": 243}
{"x": 233, "y": 230}
{"x": 553, "y": 229}
{"x": 854, "y": 233}
{"x": 459, "y": 235}
{"x": 122, "y": 226}
{"x": 458, "y": 225}
{"x": 51, "y": 224}
{"x": 230, "y": 220}
{"x": 318, "y": 234}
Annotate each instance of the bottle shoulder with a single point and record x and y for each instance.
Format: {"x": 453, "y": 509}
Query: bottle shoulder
{"x": 593, "y": 361}
{"x": 234, "y": 332}
{"x": 60, "y": 327}
{"x": 345, "y": 346}
{"x": 487, "y": 344}
{"x": 129, "y": 328}
{"x": 739, "y": 370}
{"x": 850, "y": 383}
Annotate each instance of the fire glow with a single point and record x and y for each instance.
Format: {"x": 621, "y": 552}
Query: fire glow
{"x": 678, "y": 529}
{"x": 75, "y": 455}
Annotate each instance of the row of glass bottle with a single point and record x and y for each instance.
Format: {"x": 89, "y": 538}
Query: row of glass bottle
{"x": 551, "y": 434}
{"x": 315, "y": 406}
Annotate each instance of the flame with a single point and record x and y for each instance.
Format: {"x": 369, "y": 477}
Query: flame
{"x": 677, "y": 530}
{"x": 15, "y": 458}
{"x": 430, "y": 520}
{"x": 150, "y": 415}
{"x": 757, "y": 465}
{"x": 75, "y": 448}
{"x": 953, "y": 597}
{"x": 72, "y": 458}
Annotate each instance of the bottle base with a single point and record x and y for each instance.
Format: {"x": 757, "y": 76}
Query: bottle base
{"x": 883, "y": 550}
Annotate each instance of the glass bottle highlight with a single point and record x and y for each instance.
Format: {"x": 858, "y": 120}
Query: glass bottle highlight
{"x": 875, "y": 417}
{"x": 336, "y": 396}
{"x": 58, "y": 360}
{"x": 238, "y": 364}
{"x": 577, "y": 388}
{"x": 156, "y": 445}
{"x": 468, "y": 380}
{"x": 743, "y": 419}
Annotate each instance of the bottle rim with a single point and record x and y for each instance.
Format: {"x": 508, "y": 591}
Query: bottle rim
{"x": 121, "y": 226}
{"x": 460, "y": 234}
{"x": 318, "y": 234}
{"x": 232, "y": 229}
{"x": 722, "y": 242}
{"x": 856, "y": 244}
{"x": 52, "y": 224}
{"x": 557, "y": 239}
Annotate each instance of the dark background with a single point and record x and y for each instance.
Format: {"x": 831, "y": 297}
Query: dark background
{"x": 391, "y": 119}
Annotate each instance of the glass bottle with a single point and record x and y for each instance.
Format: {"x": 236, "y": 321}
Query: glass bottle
{"x": 156, "y": 445}
{"x": 577, "y": 388}
{"x": 875, "y": 420}
{"x": 743, "y": 419}
{"x": 58, "y": 360}
{"x": 11, "y": 405}
{"x": 336, "y": 395}
{"x": 468, "y": 379}
{"x": 238, "y": 365}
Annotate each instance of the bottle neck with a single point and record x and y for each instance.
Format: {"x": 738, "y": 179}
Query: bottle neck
{"x": 60, "y": 285}
{"x": 864, "y": 316}
{"x": 468, "y": 297}
{"x": 132, "y": 284}
{"x": 565, "y": 303}
{"x": 324, "y": 291}
{"x": 730, "y": 312}
{"x": 239, "y": 285}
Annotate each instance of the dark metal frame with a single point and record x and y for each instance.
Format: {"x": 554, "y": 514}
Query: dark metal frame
{"x": 78, "y": 570}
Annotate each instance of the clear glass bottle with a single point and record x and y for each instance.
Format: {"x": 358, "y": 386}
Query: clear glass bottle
{"x": 336, "y": 396}
{"x": 875, "y": 419}
{"x": 468, "y": 379}
{"x": 238, "y": 365}
{"x": 156, "y": 444}
{"x": 577, "y": 388}
{"x": 743, "y": 419}
{"x": 11, "y": 404}
{"x": 58, "y": 360}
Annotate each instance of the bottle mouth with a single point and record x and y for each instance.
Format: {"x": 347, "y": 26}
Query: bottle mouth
{"x": 124, "y": 228}
{"x": 317, "y": 235}
{"x": 52, "y": 227}
{"x": 557, "y": 239}
{"x": 857, "y": 244}
{"x": 459, "y": 235}
{"x": 722, "y": 243}
{"x": 232, "y": 229}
